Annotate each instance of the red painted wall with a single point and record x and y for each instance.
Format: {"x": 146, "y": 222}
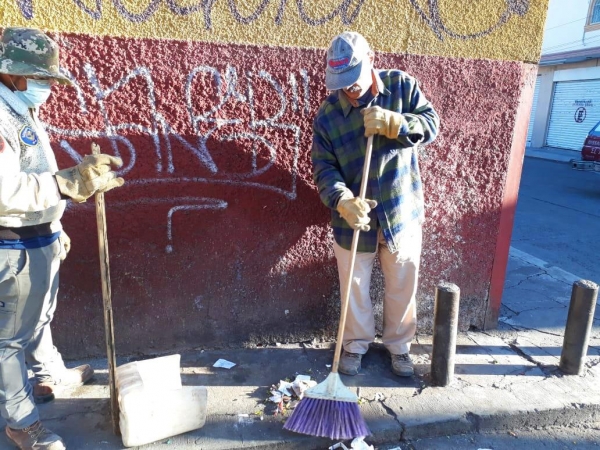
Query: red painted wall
{"x": 511, "y": 191}
{"x": 219, "y": 236}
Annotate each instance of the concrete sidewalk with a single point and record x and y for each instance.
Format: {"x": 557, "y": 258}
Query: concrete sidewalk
{"x": 505, "y": 380}
{"x": 553, "y": 154}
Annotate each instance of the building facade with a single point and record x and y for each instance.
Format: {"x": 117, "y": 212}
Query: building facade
{"x": 567, "y": 90}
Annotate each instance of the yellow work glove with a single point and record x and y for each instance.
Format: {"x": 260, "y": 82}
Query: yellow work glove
{"x": 92, "y": 175}
{"x": 382, "y": 121}
{"x": 356, "y": 211}
{"x": 65, "y": 245}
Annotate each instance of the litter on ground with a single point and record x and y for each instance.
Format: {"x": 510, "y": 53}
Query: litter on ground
{"x": 224, "y": 364}
{"x": 357, "y": 444}
{"x": 287, "y": 394}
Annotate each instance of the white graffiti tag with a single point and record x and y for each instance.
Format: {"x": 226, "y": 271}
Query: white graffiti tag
{"x": 213, "y": 122}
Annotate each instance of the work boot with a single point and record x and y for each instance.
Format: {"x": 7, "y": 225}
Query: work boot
{"x": 402, "y": 365}
{"x": 350, "y": 363}
{"x": 43, "y": 391}
{"x": 35, "y": 437}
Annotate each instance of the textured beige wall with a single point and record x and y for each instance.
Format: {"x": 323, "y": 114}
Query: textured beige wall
{"x": 495, "y": 29}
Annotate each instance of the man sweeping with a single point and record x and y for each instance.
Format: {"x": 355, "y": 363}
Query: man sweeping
{"x": 389, "y": 105}
{"x": 32, "y": 244}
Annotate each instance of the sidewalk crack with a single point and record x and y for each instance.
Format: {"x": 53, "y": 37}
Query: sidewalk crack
{"x": 542, "y": 272}
{"x": 482, "y": 346}
{"x": 592, "y": 363}
{"x": 522, "y": 328}
{"x": 548, "y": 370}
{"x": 76, "y": 413}
{"x": 545, "y": 308}
{"x": 393, "y": 414}
{"x": 527, "y": 278}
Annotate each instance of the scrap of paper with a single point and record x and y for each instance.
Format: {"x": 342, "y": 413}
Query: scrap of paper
{"x": 224, "y": 364}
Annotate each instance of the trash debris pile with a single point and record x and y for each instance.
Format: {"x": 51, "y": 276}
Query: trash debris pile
{"x": 357, "y": 444}
{"x": 287, "y": 394}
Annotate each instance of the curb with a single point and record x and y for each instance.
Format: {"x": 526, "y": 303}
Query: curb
{"x": 549, "y": 158}
{"x": 478, "y": 423}
{"x": 389, "y": 432}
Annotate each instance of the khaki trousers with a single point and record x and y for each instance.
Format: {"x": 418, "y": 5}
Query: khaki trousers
{"x": 28, "y": 288}
{"x": 400, "y": 271}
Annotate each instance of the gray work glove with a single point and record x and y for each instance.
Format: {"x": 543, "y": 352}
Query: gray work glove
{"x": 65, "y": 245}
{"x": 89, "y": 177}
{"x": 356, "y": 211}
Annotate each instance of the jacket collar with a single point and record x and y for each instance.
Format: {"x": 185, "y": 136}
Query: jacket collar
{"x": 377, "y": 88}
{"x": 12, "y": 100}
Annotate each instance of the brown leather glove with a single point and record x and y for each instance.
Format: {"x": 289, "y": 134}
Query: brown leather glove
{"x": 356, "y": 211}
{"x": 92, "y": 175}
{"x": 382, "y": 121}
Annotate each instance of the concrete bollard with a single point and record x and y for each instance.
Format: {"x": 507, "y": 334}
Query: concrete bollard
{"x": 445, "y": 327}
{"x": 579, "y": 325}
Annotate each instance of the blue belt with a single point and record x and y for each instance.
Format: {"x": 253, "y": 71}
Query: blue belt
{"x": 24, "y": 244}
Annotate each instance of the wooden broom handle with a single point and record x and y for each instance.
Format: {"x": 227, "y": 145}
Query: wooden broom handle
{"x": 353, "y": 248}
{"x": 107, "y": 302}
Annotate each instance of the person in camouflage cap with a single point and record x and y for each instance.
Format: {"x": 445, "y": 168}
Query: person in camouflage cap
{"x": 29, "y": 52}
{"x": 32, "y": 242}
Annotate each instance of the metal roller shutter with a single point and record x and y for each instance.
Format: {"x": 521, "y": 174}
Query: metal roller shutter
{"x": 536, "y": 93}
{"x": 575, "y": 110}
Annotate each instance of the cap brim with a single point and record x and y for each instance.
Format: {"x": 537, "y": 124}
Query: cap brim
{"x": 10, "y": 67}
{"x": 335, "y": 81}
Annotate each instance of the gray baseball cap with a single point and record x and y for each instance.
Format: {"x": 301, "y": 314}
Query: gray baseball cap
{"x": 28, "y": 51}
{"x": 347, "y": 60}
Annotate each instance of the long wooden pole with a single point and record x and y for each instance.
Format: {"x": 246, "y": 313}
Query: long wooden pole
{"x": 353, "y": 248}
{"x": 107, "y": 302}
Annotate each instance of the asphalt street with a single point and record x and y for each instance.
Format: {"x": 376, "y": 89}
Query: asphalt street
{"x": 558, "y": 217}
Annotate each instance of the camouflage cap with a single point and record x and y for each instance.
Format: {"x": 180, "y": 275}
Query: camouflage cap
{"x": 28, "y": 51}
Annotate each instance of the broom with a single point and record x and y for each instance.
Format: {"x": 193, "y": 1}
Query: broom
{"x": 330, "y": 409}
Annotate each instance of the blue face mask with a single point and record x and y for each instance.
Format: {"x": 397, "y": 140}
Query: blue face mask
{"x": 37, "y": 92}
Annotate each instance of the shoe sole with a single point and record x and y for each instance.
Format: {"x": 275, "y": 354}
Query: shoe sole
{"x": 86, "y": 377}
{"x": 11, "y": 441}
{"x": 41, "y": 399}
{"x": 89, "y": 376}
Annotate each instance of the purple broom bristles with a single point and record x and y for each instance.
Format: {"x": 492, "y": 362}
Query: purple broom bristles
{"x": 327, "y": 418}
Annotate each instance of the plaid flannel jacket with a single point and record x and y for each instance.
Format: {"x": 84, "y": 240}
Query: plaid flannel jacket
{"x": 338, "y": 154}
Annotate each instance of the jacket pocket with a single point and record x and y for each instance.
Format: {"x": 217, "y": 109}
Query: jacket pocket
{"x": 12, "y": 262}
{"x": 8, "y": 296}
{"x": 8, "y": 315}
